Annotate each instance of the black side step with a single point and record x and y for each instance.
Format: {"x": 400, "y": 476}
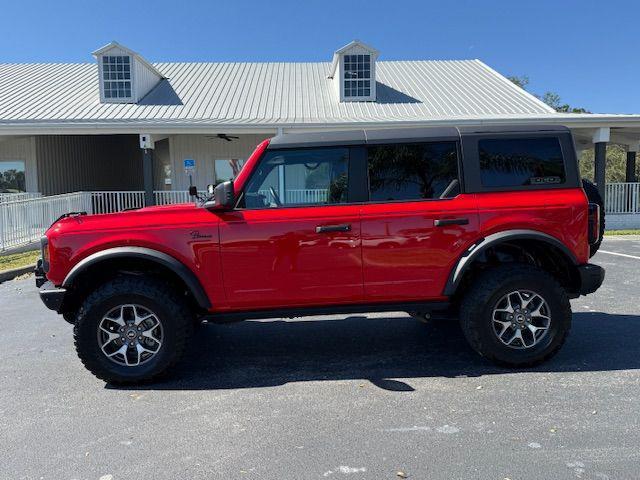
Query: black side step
{"x": 437, "y": 309}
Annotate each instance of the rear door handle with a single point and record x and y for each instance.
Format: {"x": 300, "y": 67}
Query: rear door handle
{"x": 451, "y": 221}
{"x": 344, "y": 227}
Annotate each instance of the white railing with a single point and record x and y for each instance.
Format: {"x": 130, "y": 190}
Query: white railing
{"x": 14, "y": 197}
{"x": 307, "y": 196}
{"x": 24, "y": 221}
{"x": 622, "y": 197}
{"x": 169, "y": 197}
{"x": 111, "y": 202}
{"x": 299, "y": 196}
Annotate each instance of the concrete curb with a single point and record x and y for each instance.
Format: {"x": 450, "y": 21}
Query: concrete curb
{"x": 16, "y": 272}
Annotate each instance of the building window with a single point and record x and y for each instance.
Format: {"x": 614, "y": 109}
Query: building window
{"x": 12, "y": 179}
{"x": 116, "y": 76}
{"x": 357, "y": 76}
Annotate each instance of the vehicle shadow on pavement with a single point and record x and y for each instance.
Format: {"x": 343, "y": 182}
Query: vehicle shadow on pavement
{"x": 388, "y": 352}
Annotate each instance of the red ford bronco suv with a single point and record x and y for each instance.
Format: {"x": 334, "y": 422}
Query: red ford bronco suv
{"x": 492, "y": 226}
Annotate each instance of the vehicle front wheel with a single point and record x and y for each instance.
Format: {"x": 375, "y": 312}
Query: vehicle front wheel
{"x": 132, "y": 329}
{"x": 516, "y": 315}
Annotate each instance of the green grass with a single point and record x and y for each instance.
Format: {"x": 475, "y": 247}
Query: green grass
{"x": 17, "y": 260}
{"x": 622, "y": 232}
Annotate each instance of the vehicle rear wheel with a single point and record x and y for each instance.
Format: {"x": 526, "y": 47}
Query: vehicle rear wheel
{"x": 131, "y": 330}
{"x": 516, "y": 315}
{"x": 594, "y": 197}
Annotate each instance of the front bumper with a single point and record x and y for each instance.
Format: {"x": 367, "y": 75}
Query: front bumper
{"x": 591, "y": 277}
{"x": 52, "y": 296}
{"x": 41, "y": 277}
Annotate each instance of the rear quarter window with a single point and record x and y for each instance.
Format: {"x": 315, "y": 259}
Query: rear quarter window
{"x": 518, "y": 162}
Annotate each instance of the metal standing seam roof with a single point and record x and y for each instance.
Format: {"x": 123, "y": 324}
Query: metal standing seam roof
{"x": 263, "y": 94}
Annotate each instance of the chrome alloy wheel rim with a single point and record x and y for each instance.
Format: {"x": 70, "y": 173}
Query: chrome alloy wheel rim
{"x": 130, "y": 335}
{"x": 521, "y": 319}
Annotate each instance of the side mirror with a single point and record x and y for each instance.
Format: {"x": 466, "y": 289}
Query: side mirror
{"x": 223, "y": 197}
{"x": 193, "y": 191}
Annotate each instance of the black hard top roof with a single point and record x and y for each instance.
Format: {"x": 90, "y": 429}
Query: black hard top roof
{"x": 386, "y": 135}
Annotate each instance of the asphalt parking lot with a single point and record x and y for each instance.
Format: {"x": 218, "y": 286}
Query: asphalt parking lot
{"x": 358, "y": 397}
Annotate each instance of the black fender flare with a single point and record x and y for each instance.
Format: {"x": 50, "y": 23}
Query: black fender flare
{"x": 187, "y": 276}
{"x": 473, "y": 252}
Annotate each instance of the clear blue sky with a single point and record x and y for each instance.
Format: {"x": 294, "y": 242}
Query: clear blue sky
{"x": 586, "y": 51}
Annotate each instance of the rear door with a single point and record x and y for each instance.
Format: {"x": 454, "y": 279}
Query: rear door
{"x": 527, "y": 180}
{"x": 417, "y": 222}
{"x": 295, "y": 240}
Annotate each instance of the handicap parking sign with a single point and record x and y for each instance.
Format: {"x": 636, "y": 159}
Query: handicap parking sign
{"x": 189, "y": 165}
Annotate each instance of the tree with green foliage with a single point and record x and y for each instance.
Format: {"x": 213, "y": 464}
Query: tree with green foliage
{"x": 616, "y": 154}
{"x": 616, "y": 163}
{"x": 550, "y": 98}
{"x": 12, "y": 181}
{"x": 522, "y": 81}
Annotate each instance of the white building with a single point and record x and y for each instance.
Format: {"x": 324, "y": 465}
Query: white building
{"x": 72, "y": 127}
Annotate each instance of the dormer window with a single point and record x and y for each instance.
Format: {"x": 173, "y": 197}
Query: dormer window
{"x": 357, "y": 76}
{"x": 116, "y": 75}
{"x": 353, "y": 72}
{"x": 124, "y": 76}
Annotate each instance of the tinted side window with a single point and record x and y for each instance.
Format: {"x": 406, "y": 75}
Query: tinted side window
{"x": 312, "y": 176}
{"x": 521, "y": 161}
{"x": 413, "y": 171}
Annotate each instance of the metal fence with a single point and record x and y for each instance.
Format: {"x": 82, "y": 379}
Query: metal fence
{"x": 169, "y": 197}
{"x": 111, "y": 202}
{"x": 622, "y": 198}
{"x": 299, "y": 196}
{"x": 24, "y": 221}
{"x": 13, "y": 197}
{"x": 25, "y": 218}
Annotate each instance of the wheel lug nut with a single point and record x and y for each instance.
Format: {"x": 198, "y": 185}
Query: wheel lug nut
{"x": 122, "y": 338}
{"x": 140, "y": 337}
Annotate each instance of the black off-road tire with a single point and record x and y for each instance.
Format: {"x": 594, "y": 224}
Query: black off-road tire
{"x": 594, "y": 197}
{"x": 477, "y": 306}
{"x": 171, "y": 310}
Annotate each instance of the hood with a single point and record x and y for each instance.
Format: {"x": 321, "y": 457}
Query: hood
{"x": 147, "y": 217}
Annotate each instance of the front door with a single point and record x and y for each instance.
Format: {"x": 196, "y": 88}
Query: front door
{"x": 294, "y": 240}
{"x": 416, "y": 224}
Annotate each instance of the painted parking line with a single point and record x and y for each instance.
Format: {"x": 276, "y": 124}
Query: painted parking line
{"x": 619, "y": 254}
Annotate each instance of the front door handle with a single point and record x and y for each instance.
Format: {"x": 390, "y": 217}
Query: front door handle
{"x": 344, "y": 227}
{"x": 451, "y": 221}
